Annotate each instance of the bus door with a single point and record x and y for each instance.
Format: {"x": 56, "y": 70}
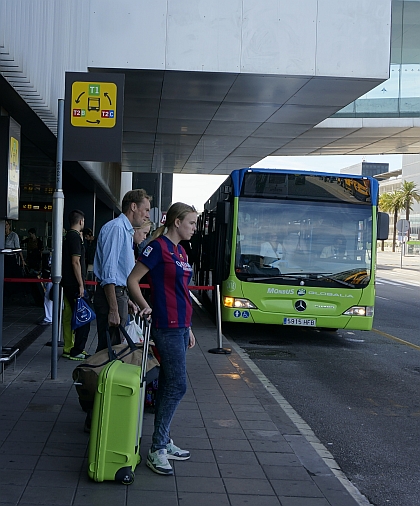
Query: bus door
{"x": 214, "y": 262}
{"x": 206, "y": 251}
{"x": 222, "y": 244}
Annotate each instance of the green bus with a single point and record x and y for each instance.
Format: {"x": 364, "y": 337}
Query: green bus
{"x": 291, "y": 248}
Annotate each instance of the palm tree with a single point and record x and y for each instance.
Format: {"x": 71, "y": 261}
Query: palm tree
{"x": 409, "y": 195}
{"x": 392, "y": 203}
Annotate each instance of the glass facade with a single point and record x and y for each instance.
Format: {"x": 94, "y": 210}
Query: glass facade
{"x": 399, "y": 96}
{"x": 411, "y": 172}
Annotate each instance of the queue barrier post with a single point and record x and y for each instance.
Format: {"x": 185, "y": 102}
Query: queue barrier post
{"x": 219, "y": 350}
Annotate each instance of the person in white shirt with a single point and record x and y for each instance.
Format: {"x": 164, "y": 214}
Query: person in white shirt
{"x": 11, "y": 241}
{"x": 337, "y": 250}
{"x": 271, "y": 250}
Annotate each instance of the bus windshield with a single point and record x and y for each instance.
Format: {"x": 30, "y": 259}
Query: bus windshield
{"x": 280, "y": 240}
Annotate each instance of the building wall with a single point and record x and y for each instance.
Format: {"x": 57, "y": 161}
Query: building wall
{"x": 366, "y": 168}
{"x": 253, "y": 36}
{"x": 42, "y": 39}
{"x": 410, "y": 172}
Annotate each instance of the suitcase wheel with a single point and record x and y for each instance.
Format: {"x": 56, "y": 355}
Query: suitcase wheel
{"x": 125, "y": 475}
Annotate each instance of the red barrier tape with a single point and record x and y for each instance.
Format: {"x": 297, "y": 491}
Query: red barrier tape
{"x": 27, "y": 280}
{"x": 38, "y": 280}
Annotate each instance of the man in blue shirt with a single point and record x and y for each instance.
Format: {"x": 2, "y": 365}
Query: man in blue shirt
{"x": 114, "y": 261}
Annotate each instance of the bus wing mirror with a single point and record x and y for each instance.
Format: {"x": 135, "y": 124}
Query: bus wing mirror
{"x": 382, "y": 226}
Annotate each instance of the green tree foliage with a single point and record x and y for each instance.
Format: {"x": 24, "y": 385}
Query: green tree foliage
{"x": 392, "y": 203}
{"x": 409, "y": 196}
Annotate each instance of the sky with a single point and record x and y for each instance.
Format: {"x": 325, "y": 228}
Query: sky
{"x": 195, "y": 189}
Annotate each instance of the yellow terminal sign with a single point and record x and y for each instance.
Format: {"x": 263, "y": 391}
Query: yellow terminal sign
{"x": 93, "y": 104}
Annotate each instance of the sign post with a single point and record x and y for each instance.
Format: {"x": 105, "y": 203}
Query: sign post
{"x": 57, "y": 238}
{"x": 403, "y": 226}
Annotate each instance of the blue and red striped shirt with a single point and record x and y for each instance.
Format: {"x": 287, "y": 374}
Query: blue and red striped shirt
{"x": 169, "y": 276}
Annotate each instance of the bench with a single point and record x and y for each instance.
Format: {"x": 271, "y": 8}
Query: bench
{"x": 7, "y": 354}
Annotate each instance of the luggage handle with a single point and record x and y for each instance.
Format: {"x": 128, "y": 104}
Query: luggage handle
{"x": 146, "y": 335}
{"x": 111, "y": 353}
{"x": 131, "y": 344}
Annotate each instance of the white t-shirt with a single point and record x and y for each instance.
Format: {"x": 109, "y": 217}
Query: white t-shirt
{"x": 12, "y": 241}
{"x": 332, "y": 251}
{"x": 270, "y": 254}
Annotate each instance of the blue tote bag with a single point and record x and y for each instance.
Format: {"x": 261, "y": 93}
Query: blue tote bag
{"x": 82, "y": 313}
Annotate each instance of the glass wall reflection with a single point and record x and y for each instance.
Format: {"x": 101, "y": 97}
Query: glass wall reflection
{"x": 399, "y": 96}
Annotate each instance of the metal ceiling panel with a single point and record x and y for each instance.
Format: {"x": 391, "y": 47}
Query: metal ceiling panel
{"x": 265, "y": 89}
{"x": 181, "y": 126}
{"x": 208, "y": 122}
{"x": 302, "y": 114}
{"x": 206, "y": 86}
{"x": 329, "y": 133}
{"x": 326, "y": 91}
{"x": 188, "y": 109}
{"x": 280, "y": 130}
{"x": 217, "y": 127}
{"x": 245, "y": 111}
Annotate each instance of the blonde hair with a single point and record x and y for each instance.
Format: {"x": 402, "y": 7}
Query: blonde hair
{"x": 147, "y": 223}
{"x": 177, "y": 211}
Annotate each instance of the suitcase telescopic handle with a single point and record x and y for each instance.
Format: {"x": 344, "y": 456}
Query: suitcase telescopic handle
{"x": 146, "y": 336}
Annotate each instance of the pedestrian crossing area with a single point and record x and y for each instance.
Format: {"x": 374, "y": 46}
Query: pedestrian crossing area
{"x": 401, "y": 283}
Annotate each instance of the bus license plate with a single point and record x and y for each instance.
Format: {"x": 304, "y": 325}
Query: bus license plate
{"x": 301, "y": 322}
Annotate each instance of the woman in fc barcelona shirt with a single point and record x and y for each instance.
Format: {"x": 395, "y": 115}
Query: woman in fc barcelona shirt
{"x": 165, "y": 264}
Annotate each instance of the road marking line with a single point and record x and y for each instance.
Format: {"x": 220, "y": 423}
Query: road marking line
{"x": 389, "y": 336}
{"x": 404, "y": 284}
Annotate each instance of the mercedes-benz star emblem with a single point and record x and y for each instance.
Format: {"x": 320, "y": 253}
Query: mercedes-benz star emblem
{"x": 300, "y": 305}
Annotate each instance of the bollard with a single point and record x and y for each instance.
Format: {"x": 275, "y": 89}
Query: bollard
{"x": 219, "y": 350}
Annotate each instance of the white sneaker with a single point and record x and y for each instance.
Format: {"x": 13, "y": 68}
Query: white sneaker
{"x": 175, "y": 453}
{"x": 158, "y": 462}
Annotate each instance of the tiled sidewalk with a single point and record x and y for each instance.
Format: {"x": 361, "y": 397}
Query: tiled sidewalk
{"x": 245, "y": 447}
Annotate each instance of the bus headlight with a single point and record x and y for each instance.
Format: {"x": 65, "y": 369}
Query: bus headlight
{"x": 238, "y": 303}
{"x": 359, "y": 311}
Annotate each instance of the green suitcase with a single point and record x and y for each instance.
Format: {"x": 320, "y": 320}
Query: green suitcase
{"x": 117, "y": 419}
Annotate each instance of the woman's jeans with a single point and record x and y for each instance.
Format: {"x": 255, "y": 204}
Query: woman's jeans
{"x": 172, "y": 345}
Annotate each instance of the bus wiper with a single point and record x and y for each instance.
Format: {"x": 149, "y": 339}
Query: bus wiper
{"x": 319, "y": 275}
{"x": 302, "y": 276}
{"x": 269, "y": 278}
{"x": 323, "y": 275}
{"x": 292, "y": 275}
